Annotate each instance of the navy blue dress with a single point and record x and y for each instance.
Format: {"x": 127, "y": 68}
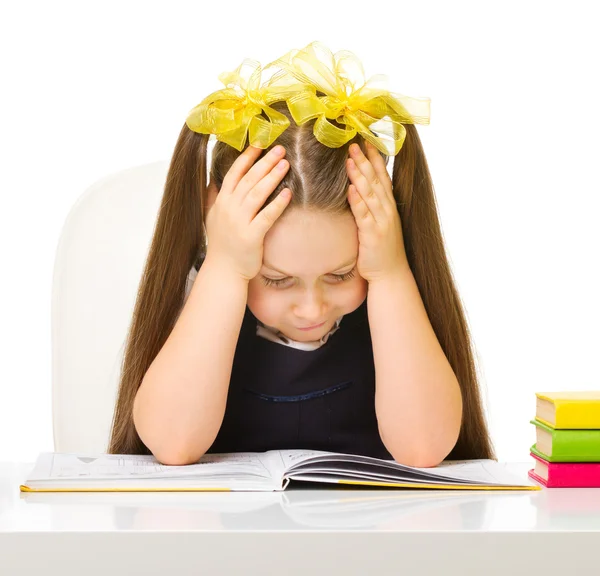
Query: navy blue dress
{"x": 282, "y": 397}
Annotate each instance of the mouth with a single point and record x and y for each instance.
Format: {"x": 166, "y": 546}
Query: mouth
{"x": 312, "y": 327}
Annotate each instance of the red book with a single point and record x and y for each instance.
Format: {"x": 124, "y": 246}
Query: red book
{"x": 566, "y": 474}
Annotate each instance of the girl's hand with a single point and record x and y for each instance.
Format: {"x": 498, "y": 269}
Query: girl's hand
{"x": 235, "y": 231}
{"x": 381, "y": 250}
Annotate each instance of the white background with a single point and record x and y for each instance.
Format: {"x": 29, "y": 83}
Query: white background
{"x": 90, "y": 88}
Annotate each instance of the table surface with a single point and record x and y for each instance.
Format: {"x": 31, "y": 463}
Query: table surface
{"x": 299, "y": 507}
{"x": 360, "y": 519}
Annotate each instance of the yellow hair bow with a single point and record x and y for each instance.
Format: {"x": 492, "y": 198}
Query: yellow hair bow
{"x": 364, "y": 107}
{"x": 235, "y": 111}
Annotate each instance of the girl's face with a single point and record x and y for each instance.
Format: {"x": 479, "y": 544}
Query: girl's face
{"x": 309, "y": 274}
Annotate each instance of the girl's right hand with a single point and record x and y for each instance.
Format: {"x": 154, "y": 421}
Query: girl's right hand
{"x": 235, "y": 231}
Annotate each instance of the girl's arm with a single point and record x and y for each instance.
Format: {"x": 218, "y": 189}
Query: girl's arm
{"x": 417, "y": 399}
{"x": 179, "y": 407}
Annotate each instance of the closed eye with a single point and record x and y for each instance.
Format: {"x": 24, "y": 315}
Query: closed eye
{"x": 280, "y": 282}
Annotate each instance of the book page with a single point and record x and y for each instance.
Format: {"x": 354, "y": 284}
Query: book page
{"x": 57, "y": 466}
{"x": 290, "y": 458}
{"x": 348, "y": 466}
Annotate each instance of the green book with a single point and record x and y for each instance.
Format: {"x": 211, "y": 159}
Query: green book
{"x": 566, "y": 445}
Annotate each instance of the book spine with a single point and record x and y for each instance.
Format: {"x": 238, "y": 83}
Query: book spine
{"x": 577, "y": 415}
{"x": 576, "y": 445}
{"x": 565, "y": 475}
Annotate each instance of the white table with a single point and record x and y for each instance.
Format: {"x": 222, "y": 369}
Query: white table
{"x": 303, "y": 531}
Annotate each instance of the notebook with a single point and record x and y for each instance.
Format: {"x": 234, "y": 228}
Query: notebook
{"x": 566, "y": 474}
{"x": 566, "y": 445}
{"x": 574, "y": 410}
{"x": 258, "y": 471}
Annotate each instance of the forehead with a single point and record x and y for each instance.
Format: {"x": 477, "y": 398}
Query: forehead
{"x": 311, "y": 241}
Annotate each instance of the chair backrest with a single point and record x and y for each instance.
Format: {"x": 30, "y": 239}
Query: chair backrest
{"x": 99, "y": 261}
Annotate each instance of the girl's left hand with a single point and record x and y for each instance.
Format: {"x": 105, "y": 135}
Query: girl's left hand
{"x": 381, "y": 250}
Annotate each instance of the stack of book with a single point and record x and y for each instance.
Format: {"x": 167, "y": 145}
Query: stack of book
{"x": 567, "y": 447}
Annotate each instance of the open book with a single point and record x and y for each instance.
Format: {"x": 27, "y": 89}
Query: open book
{"x": 257, "y": 471}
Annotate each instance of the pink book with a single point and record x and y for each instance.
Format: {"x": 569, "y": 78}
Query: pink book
{"x": 566, "y": 474}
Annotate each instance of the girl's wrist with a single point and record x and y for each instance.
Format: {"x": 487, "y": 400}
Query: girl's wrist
{"x": 217, "y": 267}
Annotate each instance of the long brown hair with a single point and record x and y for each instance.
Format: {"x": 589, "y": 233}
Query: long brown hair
{"x": 318, "y": 179}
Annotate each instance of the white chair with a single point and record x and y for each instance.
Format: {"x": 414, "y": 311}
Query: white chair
{"x": 99, "y": 261}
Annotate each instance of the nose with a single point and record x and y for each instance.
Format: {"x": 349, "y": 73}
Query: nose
{"x": 312, "y": 308}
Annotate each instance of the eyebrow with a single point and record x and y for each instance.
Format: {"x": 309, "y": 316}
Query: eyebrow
{"x": 286, "y": 274}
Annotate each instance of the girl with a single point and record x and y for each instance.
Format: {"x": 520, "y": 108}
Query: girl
{"x": 322, "y": 312}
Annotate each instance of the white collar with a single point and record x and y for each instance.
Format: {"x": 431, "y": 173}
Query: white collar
{"x": 274, "y": 335}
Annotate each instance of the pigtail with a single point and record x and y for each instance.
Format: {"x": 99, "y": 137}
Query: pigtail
{"x": 178, "y": 240}
{"x": 424, "y": 244}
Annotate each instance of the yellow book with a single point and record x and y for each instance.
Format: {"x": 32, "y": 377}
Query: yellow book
{"x": 569, "y": 410}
